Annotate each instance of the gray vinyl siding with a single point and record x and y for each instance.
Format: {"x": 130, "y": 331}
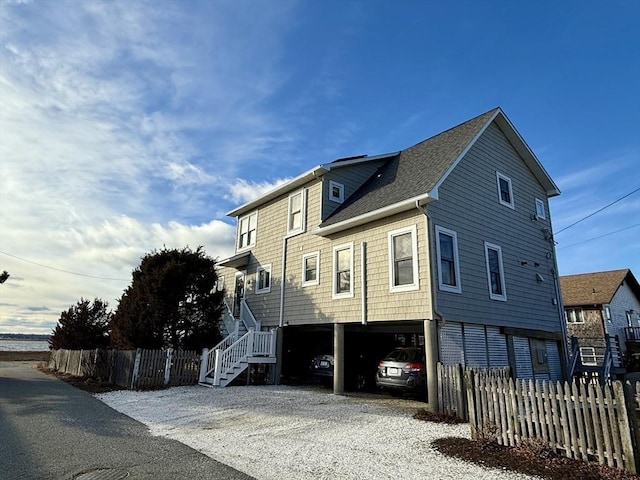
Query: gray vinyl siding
{"x": 352, "y": 177}
{"x": 468, "y": 204}
{"x": 522, "y": 354}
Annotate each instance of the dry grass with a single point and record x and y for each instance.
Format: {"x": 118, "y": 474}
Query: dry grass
{"x": 11, "y": 356}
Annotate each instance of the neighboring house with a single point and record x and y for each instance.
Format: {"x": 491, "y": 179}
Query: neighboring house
{"x": 446, "y": 244}
{"x": 600, "y": 304}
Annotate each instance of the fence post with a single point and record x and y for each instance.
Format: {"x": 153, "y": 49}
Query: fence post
{"x": 136, "y": 368}
{"x": 461, "y": 404}
{"x": 623, "y": 423}
{"x": 468, "y": 380}
{"x": 167, "y": 365}
{"x": 204, "y": 360}
{"x": 79, "y": 364}
{"x": 66, "y": 364}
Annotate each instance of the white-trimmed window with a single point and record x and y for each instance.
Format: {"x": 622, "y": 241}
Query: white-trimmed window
{"x": 311, "y": 269}
{"x": 247, "y": 231}
{"x": 540, "y": 210}
{"x": 336, "y": 191}
{"x": 588, "y": 356}
{"x": 448, "y": 264}
{"x": 505, "y": 191}
{"x": 296, "y": 217}
{"x": 343, "y": 270}
{"x": 263, "y": 279}
{"x": 574, "y": 315}
{"x": 495, "y": 272}
{"x": 403, "y": 260}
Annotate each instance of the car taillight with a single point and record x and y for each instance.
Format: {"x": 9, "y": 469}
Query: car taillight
{"x": 413, "y": 367}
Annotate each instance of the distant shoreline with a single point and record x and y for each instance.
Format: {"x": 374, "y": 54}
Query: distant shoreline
{"x": 16, "y": 356}
{"x": 25, "y": 337}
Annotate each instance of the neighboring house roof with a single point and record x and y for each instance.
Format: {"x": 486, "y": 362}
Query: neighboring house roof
{"x": 596, "y": 288}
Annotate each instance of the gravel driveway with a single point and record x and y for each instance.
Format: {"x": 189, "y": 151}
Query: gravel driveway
{"x": 281, "y": 432}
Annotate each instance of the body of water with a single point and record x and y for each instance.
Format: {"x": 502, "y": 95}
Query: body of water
{"x": 23, "y": 345}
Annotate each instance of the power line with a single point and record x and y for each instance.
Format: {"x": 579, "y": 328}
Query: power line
{"x": 64, "y": 271}
{"x": 601, "y": 236}
{"x": 597, "y": 211}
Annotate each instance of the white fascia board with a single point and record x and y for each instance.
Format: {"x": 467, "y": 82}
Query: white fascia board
{"x": 300, "y": 180}
{"x": 375, "y": 215}
{"x": 355, "y": 161}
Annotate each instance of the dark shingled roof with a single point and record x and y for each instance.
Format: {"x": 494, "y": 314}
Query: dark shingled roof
{"x": 595, "y": 288}
{"x": 411, "y": 173}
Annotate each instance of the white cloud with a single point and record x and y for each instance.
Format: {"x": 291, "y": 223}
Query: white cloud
{"x": 243, "y": 191}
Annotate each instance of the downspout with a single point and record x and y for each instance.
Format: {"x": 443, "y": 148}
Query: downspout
{"x": 431, "y": 328}
{"x": 363, "y": 280}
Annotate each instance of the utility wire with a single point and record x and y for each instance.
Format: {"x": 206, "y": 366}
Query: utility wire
{"x": 597, "y": 211}
{"x": 64, "y": 271}
{"x": 601, "y": 236}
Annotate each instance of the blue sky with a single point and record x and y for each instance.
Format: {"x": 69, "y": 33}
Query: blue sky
{"x": 126, "y": 126}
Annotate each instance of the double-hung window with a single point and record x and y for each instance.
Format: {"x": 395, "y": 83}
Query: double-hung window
{"x": 403, "y": 260}
{"x": 311, "y": 269}
{"x": 296, "y": 220}
{"x": 247, "y": 231}
{"x": 574, "y": 315}
{"x": 448, "y": 264}
{"x": 343, "y": 271}
{"x": 495, "y": 272}
{"x": 505, "y": 191}
{"x": 263, "y": 279}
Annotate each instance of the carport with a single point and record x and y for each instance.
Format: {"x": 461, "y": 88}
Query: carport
{"x": 363, "y": 346}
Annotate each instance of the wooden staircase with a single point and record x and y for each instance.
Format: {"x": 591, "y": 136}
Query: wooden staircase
{"x": 244, "y": 345}
{"x": 607, "y": 361}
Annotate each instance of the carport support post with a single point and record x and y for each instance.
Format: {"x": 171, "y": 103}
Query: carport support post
{"x": 338, "y": 359}
{"x": 431, "y": 363}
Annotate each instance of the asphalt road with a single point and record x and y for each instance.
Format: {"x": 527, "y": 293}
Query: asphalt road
{"x": 51, "y": 430}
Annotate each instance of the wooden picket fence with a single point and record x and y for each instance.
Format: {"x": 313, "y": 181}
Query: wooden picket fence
{"x": 132, "y": 369}
{"x": 584, "y": 419}
{"x": 452, "y": 398}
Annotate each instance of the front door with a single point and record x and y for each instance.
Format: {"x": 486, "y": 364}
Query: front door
{"x": 238, "y": 293}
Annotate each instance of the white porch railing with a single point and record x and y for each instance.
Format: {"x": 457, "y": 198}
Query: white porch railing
{"x": 247, "y": 317}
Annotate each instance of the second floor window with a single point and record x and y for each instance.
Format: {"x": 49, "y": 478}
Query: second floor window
{"x": 247, "y": 231}
{"x": 495, "y": 272}
{"x": 448, "y": 265}
{"x": 343, "y": 271}
{"x": 505, "y": 192}
{"x": 574, "y": 315}
{"x": 263, "y": 279}
{"x": 296, "y": 212}
{"x": 403, "y": 260}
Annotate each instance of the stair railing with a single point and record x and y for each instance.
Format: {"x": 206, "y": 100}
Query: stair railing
{"x": 575, "y": 357}
{"x": 246, "y": 315}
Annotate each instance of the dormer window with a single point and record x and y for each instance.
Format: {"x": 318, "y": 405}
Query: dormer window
{"x": 295, "y": 222}
{"x": 336, "y": 192}
{"x": 247, "y": 231}
{"x": 505, "y": 191}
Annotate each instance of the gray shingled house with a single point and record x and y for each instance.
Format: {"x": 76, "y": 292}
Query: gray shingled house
{"x": 602, "y": 311}
{"x": 446, "y": 245}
